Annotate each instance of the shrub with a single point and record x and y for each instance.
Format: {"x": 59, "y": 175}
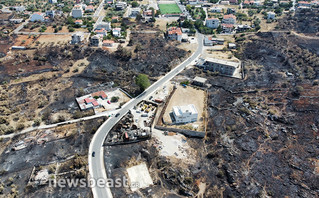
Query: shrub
{"x": 115, "y": 99}
{"x": 20, "y": 126}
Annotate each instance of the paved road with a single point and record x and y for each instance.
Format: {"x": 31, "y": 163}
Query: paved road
{"x": 99, "y": 9}
{"x": 96, "y": 164}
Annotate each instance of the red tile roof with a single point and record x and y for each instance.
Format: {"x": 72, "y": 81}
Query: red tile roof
{"x": 100, "y": 93}
{"x": 174, "y": 30}
{"x": 227, "y": 25}
{"x": 229, "y": 16}
{"x": 89, "y": 100}
{"x": 108, "y": 41}
{"x": 95, "y": 103}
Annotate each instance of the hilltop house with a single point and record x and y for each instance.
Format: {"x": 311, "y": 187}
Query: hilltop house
{"x": 228, "y": 28}
{"x": 271, "y": 15}
{"x": 216, "y": 9}
{"x": 217, "y": 65}
{"x": 212, "y": 23}
{"x": 116, "y": 32}
{"x": 78, "y": 22}
{"x": 229, "y": 19}
{"x": 77, "y": 11}
{"x": 89, "y": 8}
{"x": 120, "y": 5}
{"x": 77, "y": 37}
{"x": 185, "y": 114}
{"x": 134, "y": 12}
{"x": 174, "y": 33}
{"x": 103, "y": 25}
{"x": 95, "y": 40}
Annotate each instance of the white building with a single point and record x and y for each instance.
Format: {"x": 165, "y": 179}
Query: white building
{"x": 77, "y": 37}
{"x": 134, "y": 12}
{"x": 19, "y": 8}
{"x": 116, "y": 32}
{"x": 77, "y": 11}
{"x": 216, "y": 10}
{"x": 174, "y": 33}
{"x": 185, "y": 114}
{"x": 103, "y": 25}
{"x": 53, "y": 1}
{"x": 120, "y": 5}
{"x": 223, "y": 67}
{"x": 212, "y": 23}
{"x": 229, "y": 19}
{"x": 37, "y": 16}
{"x": 271, "y": 15}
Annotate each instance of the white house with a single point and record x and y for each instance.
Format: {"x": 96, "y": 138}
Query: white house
{"x": 103, "y": 25}
{"x": 229, "y": 19}
{"x": 174, "y": 33}
{"x": 120, "y": 5}
{"x": 216, "y": 10}
{"x": 116, "y": 32}
{"x": 77, "y": 37}
{"x": 19, "y": 8}
{"x": 37, "y": 16}
{"x": 212, "y": 23}
{"x": 134, "y": 12}
{"x": 271, "y": 15}
{"x": 77, "y": 11}
{"x": 185, "y": 114}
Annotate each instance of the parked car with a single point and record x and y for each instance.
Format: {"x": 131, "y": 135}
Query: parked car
{"x": 108, "y": 102}
{"x": 116, "y": 115}
{"x": 93, "y": 154}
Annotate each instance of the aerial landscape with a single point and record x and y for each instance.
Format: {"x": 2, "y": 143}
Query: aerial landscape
{"x": 159, "y": 98}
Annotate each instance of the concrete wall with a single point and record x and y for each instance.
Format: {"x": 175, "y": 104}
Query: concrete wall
{"x": 189, "y": 133}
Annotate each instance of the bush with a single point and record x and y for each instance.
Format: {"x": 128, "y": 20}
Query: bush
{"x": 115, "y": 99}
{"x": 37, "y": 122}
{"x": 297, "y": 91}
{"x": 71, "y": 29}
{"x": 20, "y": 126}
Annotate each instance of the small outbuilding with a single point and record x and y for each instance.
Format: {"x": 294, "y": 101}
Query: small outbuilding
{"x": 199, "y": 81}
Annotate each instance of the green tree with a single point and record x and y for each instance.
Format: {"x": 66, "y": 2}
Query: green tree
{"x": 135, "y": 4}
{"x": 142, "y": 81}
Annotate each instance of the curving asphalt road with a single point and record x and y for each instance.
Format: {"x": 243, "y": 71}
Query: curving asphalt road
{"x": 96, "y": 163}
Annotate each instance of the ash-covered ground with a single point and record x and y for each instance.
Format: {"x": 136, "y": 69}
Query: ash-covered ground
{"x": 263, "y": 134}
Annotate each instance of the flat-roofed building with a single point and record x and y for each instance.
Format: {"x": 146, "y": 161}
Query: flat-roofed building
{"x": 221, "y": 66}
{"x": 185, "y": 114}
{"x": 199, "y": 81}
{"x": 77, "y": 37}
